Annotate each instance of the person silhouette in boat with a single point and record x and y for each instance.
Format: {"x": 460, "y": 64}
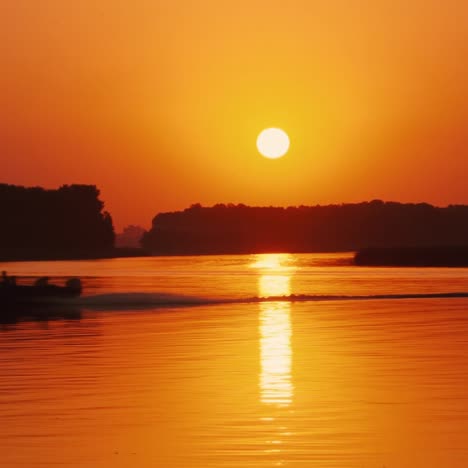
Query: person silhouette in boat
{"x": 42, "y": 282}
{"x": 74, "y": 286}
{"x": 8, "y": 281}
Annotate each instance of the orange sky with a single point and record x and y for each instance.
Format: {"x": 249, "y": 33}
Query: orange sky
{"x": 159, "y": 103}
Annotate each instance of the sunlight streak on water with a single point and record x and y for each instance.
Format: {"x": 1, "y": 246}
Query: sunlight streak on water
{"x": 275, "y": 354}
{"x": 276, "y": 386}
{"x": 273, "y": 262}
{"x": 275, "y": 380}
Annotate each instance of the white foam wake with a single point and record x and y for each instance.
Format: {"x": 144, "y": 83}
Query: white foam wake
{"x": 133, "y": 300}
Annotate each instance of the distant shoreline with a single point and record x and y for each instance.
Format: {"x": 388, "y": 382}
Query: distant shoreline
{"x": 118, "y": 252}
{"x": 422, "y": 257}
{"x": 437, "y": 256}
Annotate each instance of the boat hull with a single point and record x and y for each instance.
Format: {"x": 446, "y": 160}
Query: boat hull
{"x": 35, "y": 295}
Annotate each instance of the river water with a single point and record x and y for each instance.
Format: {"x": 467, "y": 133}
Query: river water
{"x": 238, "y": 361}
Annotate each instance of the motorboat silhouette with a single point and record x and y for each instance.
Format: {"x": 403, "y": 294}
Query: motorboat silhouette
{"x": 39, "y": 293}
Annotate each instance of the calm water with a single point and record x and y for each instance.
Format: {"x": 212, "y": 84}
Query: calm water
{"x": 132, "y": 377}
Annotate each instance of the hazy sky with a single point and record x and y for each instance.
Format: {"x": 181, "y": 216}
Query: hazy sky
{"x": 159, "y": 103}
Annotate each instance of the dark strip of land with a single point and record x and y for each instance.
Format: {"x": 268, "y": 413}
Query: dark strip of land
{"x": 413, "y": 256}
{"x": 21, "y": 255}
{"x": 236, "y": 229}
{"x": 71, "y": 223}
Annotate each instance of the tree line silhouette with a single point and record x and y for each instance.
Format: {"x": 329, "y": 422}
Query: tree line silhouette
{"x": 231, "y": 229}
{"x": 65, "y": 223}
{"x": 70, "y": 222}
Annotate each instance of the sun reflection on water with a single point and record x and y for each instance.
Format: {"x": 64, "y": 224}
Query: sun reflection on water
{"x": 275, "y": 354}
{"x": 276, "y": 386}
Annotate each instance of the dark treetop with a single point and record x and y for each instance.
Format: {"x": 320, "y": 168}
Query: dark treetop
{"x": 64, "y": 223}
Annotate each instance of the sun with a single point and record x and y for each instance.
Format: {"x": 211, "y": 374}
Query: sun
{"x": 273, "y": 143}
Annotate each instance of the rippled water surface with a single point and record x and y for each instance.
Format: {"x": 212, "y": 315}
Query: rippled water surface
{"x": 166, "y": 363}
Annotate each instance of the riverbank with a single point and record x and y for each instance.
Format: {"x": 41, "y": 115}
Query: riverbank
{"x": 32, "y": 256}
{"x": 441, "y": 256}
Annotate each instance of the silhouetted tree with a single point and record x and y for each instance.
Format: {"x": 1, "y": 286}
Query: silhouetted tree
{"x": 66, "y": 222}
{"x": 242, "y": 229}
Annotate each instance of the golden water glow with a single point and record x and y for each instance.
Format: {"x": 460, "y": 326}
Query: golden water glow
{"x": 273, "y": 143}
{"x": 275, "y": 354}
{"x": 269, "y": 262}
{"x": 182, "y": 388}
{"x": 276, "y": 387}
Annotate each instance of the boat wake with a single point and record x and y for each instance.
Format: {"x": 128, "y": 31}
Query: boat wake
{"x": 132, "y": 300}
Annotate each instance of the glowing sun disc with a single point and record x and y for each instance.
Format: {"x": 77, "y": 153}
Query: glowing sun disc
{"x": 273, "y": 143}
